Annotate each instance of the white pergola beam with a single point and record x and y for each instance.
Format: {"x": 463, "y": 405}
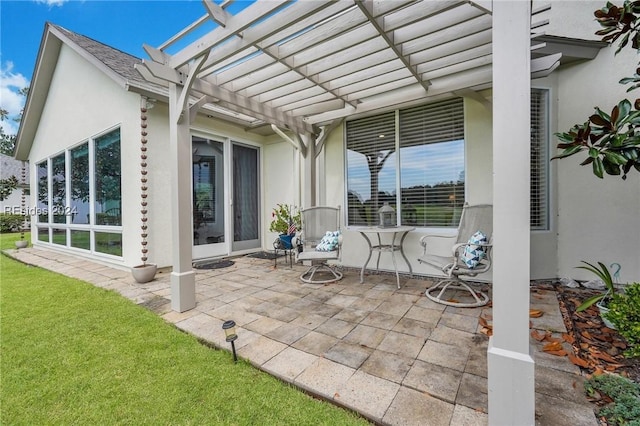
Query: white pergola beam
{"x": 234, "y": 26}
{"x": 217, "y": 13}
{"x": 366, "y": 7}
{"x": 258, "y": 109}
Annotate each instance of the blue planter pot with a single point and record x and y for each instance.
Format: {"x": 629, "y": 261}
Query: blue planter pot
{"x": 286, "y": 241}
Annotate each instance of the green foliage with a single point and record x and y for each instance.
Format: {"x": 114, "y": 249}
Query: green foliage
{"x": 7, "y": 143}
{"x": 612, "y": 141}
{"x": 11, "y": 222}
{"x": 603, "y": 273}
{"x": 624, "y": 313}
{"x": 7, "y": 186}
{"x": 283, "y": 216}
{"x": 625, "y": 408}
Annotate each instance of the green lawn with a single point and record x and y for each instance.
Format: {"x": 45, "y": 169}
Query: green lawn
{"x": 73, "y": 353}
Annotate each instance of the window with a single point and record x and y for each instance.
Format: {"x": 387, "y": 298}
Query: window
{"x": 79, "y": 170}
{"x": 413, "y": 159}
{"x": 83, "y": 187}
{"x": 539, "y": 159}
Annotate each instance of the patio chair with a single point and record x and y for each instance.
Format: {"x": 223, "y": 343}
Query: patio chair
{"x": 321, "y": 240}
{"x": 470, "y": 256}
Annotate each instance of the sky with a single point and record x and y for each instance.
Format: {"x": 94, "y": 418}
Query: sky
{"x": 125, "y": 25}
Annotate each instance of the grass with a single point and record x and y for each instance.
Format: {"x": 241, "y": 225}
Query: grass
{"x": 73, "y": 353}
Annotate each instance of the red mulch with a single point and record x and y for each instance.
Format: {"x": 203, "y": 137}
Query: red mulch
{"x": 596, "y": 347}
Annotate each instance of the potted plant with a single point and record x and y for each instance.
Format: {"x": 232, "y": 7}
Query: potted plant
{"x": 286, "y": 221}
{"x": 601, "y": 300}
{"x": 146, "y": 271}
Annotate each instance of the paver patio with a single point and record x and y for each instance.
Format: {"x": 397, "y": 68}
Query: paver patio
{"x": 390, "y": 354}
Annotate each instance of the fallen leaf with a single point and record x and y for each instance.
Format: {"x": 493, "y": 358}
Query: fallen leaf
{"x": 568, "y": 338}
{"x": 553, "y": 346}
{"x": 537, "y": 335}
{"x": 486, "y": 331}
{"x": 561, "y": 352}
{"x": 603, "y": 356}
{"x": 535, "y": 313}
{"x": 578, "y": 361}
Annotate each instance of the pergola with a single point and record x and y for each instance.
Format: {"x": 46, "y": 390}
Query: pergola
{"x": 303, "y": 66}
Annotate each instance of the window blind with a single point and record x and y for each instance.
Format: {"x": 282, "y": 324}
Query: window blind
{"x": 539, "y": 159}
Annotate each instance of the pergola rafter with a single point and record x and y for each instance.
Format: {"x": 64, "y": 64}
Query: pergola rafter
{"x": 300, "y": 64}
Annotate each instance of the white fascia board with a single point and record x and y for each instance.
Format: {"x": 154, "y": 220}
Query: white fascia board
{"x": 40, "y": 82}
{"x": 542, "y": 67}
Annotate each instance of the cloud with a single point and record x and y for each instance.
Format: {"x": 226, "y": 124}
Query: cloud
{"x": 52, "y": 3}
{"x": 10, "y": 98}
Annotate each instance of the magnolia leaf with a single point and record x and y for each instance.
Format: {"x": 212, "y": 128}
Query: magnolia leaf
{"x": 598, "y": 167}
{"x": 578, "y": 361}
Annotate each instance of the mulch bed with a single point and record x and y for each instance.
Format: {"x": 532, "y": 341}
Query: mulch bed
{"x": 596, "y": 347}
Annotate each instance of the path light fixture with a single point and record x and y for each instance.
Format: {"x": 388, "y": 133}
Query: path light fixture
{"x": 229, "y": 328}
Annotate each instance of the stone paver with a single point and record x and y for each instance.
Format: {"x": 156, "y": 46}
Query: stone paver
{"x": 391, "y": 354}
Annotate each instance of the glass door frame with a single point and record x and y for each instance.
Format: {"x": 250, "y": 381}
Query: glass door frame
{"x": 226, "y": 247}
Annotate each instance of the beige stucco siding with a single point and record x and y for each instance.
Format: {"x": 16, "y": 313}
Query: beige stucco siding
{"x": 598, "y": 219}
{"x": 83, "y": 103}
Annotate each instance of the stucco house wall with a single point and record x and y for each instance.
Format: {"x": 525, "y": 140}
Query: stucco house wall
{"x": 83, "y": 103}
{"x": 598, "y": 219}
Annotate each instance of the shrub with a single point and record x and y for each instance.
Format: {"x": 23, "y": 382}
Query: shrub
{"x": 11, "y": 222}
{"x": 625, "y": 408}
{"x": 624, "y": 313}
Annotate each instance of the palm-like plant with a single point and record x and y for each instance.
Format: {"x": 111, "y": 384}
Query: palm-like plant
{"x": 605, "y": 276}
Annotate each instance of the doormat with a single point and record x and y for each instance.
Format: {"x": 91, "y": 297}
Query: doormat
{"x": 214, "y": 264}
{"x": 265, "y": 255}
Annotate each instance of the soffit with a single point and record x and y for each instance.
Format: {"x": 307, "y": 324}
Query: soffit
{"x": 306, "y": 63}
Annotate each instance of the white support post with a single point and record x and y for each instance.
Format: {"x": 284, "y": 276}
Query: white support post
{"x": 309, "y": 178}
{"x": 510, "y": 364}
{"x": 183, "y": 283}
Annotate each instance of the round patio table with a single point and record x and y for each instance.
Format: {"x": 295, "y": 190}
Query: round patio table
{"x": 396, "y": 233}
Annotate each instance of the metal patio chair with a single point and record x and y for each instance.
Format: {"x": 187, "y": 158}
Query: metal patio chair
{"x": 321, "y": 241}
{"x": 470, "y": 256}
